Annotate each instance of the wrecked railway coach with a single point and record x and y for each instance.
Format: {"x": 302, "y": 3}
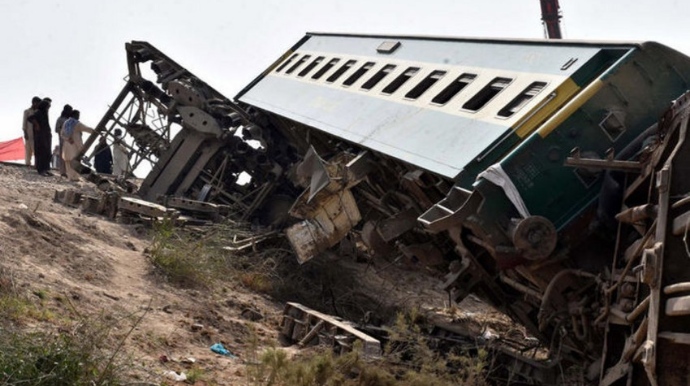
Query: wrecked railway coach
{"x": 507, "y": 159}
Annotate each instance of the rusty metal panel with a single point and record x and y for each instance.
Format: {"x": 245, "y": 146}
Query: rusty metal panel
{"x": 329, "y": 222}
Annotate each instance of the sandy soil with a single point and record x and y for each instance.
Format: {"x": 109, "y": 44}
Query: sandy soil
{"x": 91, "y": 266}
{"x": 99, "y": 267}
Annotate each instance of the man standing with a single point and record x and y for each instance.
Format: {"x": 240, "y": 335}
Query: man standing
{"x": 66, "y": 112}
{"x": 72, "y": 142}
{"x": 103, "y": 157}
{"x": 28, "y": 129}
{"x": 42, "y": 137}
{"x": 120, "y": 156}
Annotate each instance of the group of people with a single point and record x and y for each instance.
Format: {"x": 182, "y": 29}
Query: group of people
{"x": 38, "y": 139}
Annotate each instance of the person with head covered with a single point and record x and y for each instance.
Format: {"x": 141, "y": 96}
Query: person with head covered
{"x": 28, "y": 129}
{"x": 43, "y": 137}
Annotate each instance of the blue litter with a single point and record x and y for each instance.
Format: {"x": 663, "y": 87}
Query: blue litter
{"x": 219, "y": 349}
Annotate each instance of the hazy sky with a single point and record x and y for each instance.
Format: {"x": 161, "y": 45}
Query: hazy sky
{"x": 73, "y": 51}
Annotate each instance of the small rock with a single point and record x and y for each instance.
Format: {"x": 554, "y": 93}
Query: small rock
{"x": 178, "y": 377}
{"x": 23, "y": 206}
{"x": 168, "y": 309}
{"x": 252, "y": 314}
{"x": 188, "y": 360}
{"x": 41, "y": 276}
{"x": 130, "y": 245}
{"x": 197, "y": 327}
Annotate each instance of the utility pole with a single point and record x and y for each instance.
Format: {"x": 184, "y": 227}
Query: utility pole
{"x": 551, "y": 18}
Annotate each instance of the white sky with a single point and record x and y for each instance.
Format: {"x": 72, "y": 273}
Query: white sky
{"x": 73, "y": 50}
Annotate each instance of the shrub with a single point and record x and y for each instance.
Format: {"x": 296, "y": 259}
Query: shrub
{"x": 41, "y": 359}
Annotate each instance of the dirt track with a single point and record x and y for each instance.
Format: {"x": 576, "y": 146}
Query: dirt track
{"x": 99, "y": 267}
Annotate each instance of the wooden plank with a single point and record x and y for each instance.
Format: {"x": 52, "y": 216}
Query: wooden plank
{"x": 371, "y": 345}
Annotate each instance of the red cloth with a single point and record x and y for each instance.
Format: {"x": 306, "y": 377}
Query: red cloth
{"x": 12, "y": 150}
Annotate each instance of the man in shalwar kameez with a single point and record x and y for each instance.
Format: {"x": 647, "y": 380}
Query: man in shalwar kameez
{"x": 120, "y": 156}
{"x": 72, "y": 142}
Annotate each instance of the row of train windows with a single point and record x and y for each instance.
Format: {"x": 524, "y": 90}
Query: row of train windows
{"x": 475, "y": 103}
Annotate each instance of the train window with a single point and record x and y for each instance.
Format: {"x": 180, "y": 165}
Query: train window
{"x": 310, "y": 67}
{"x": 521, "y": 100}
{"x": 299, "y": 63}
{"x": 325, "y": 68}
{"x": 285, "y": 63}
{"x": 486, "y": 94}
{"x": 400, "y": 80}
{"x": 339, "y": 72}
{"x": 453, "y": 89}
{"x": 374, "y": 80}
{"x": 425, "y": 84}
{"x": 358, "y": 74}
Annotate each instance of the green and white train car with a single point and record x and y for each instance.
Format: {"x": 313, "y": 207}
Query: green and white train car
{"x": 513, "y": 156}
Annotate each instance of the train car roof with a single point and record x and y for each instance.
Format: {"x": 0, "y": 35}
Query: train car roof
{"x": 567, "y": 42}
{"x": 440, "y": 139}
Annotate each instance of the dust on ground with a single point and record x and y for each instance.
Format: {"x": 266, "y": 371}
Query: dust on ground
{"x": 79, "y": 265}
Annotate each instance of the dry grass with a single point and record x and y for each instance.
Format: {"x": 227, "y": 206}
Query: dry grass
{"x": 408, "y": 360}
{"x": 196, "y": 257}
{"x": 81, "y": 351}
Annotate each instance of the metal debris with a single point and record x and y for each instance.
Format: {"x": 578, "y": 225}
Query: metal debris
{"x": 306, "y": 326}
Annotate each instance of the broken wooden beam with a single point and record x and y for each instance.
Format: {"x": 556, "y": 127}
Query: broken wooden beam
{"x": 302, "y": 324}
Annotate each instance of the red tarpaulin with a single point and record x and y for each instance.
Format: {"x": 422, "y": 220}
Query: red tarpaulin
{"x": 12, "y": 150}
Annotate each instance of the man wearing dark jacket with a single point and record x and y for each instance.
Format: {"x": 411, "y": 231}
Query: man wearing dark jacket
{"x": 103, "y": 157}
{"x": 43, "y": 137}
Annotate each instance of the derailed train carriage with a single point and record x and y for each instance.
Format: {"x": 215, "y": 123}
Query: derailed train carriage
{"x": 537, "y": 174}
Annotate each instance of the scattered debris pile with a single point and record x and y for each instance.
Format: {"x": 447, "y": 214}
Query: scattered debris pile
{"x": 545, "y": 188}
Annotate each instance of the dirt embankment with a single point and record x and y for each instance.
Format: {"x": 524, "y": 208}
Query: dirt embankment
{"x": 74, "y": 267}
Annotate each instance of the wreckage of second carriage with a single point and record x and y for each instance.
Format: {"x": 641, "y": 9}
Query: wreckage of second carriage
{"x": 533, "y": 169}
